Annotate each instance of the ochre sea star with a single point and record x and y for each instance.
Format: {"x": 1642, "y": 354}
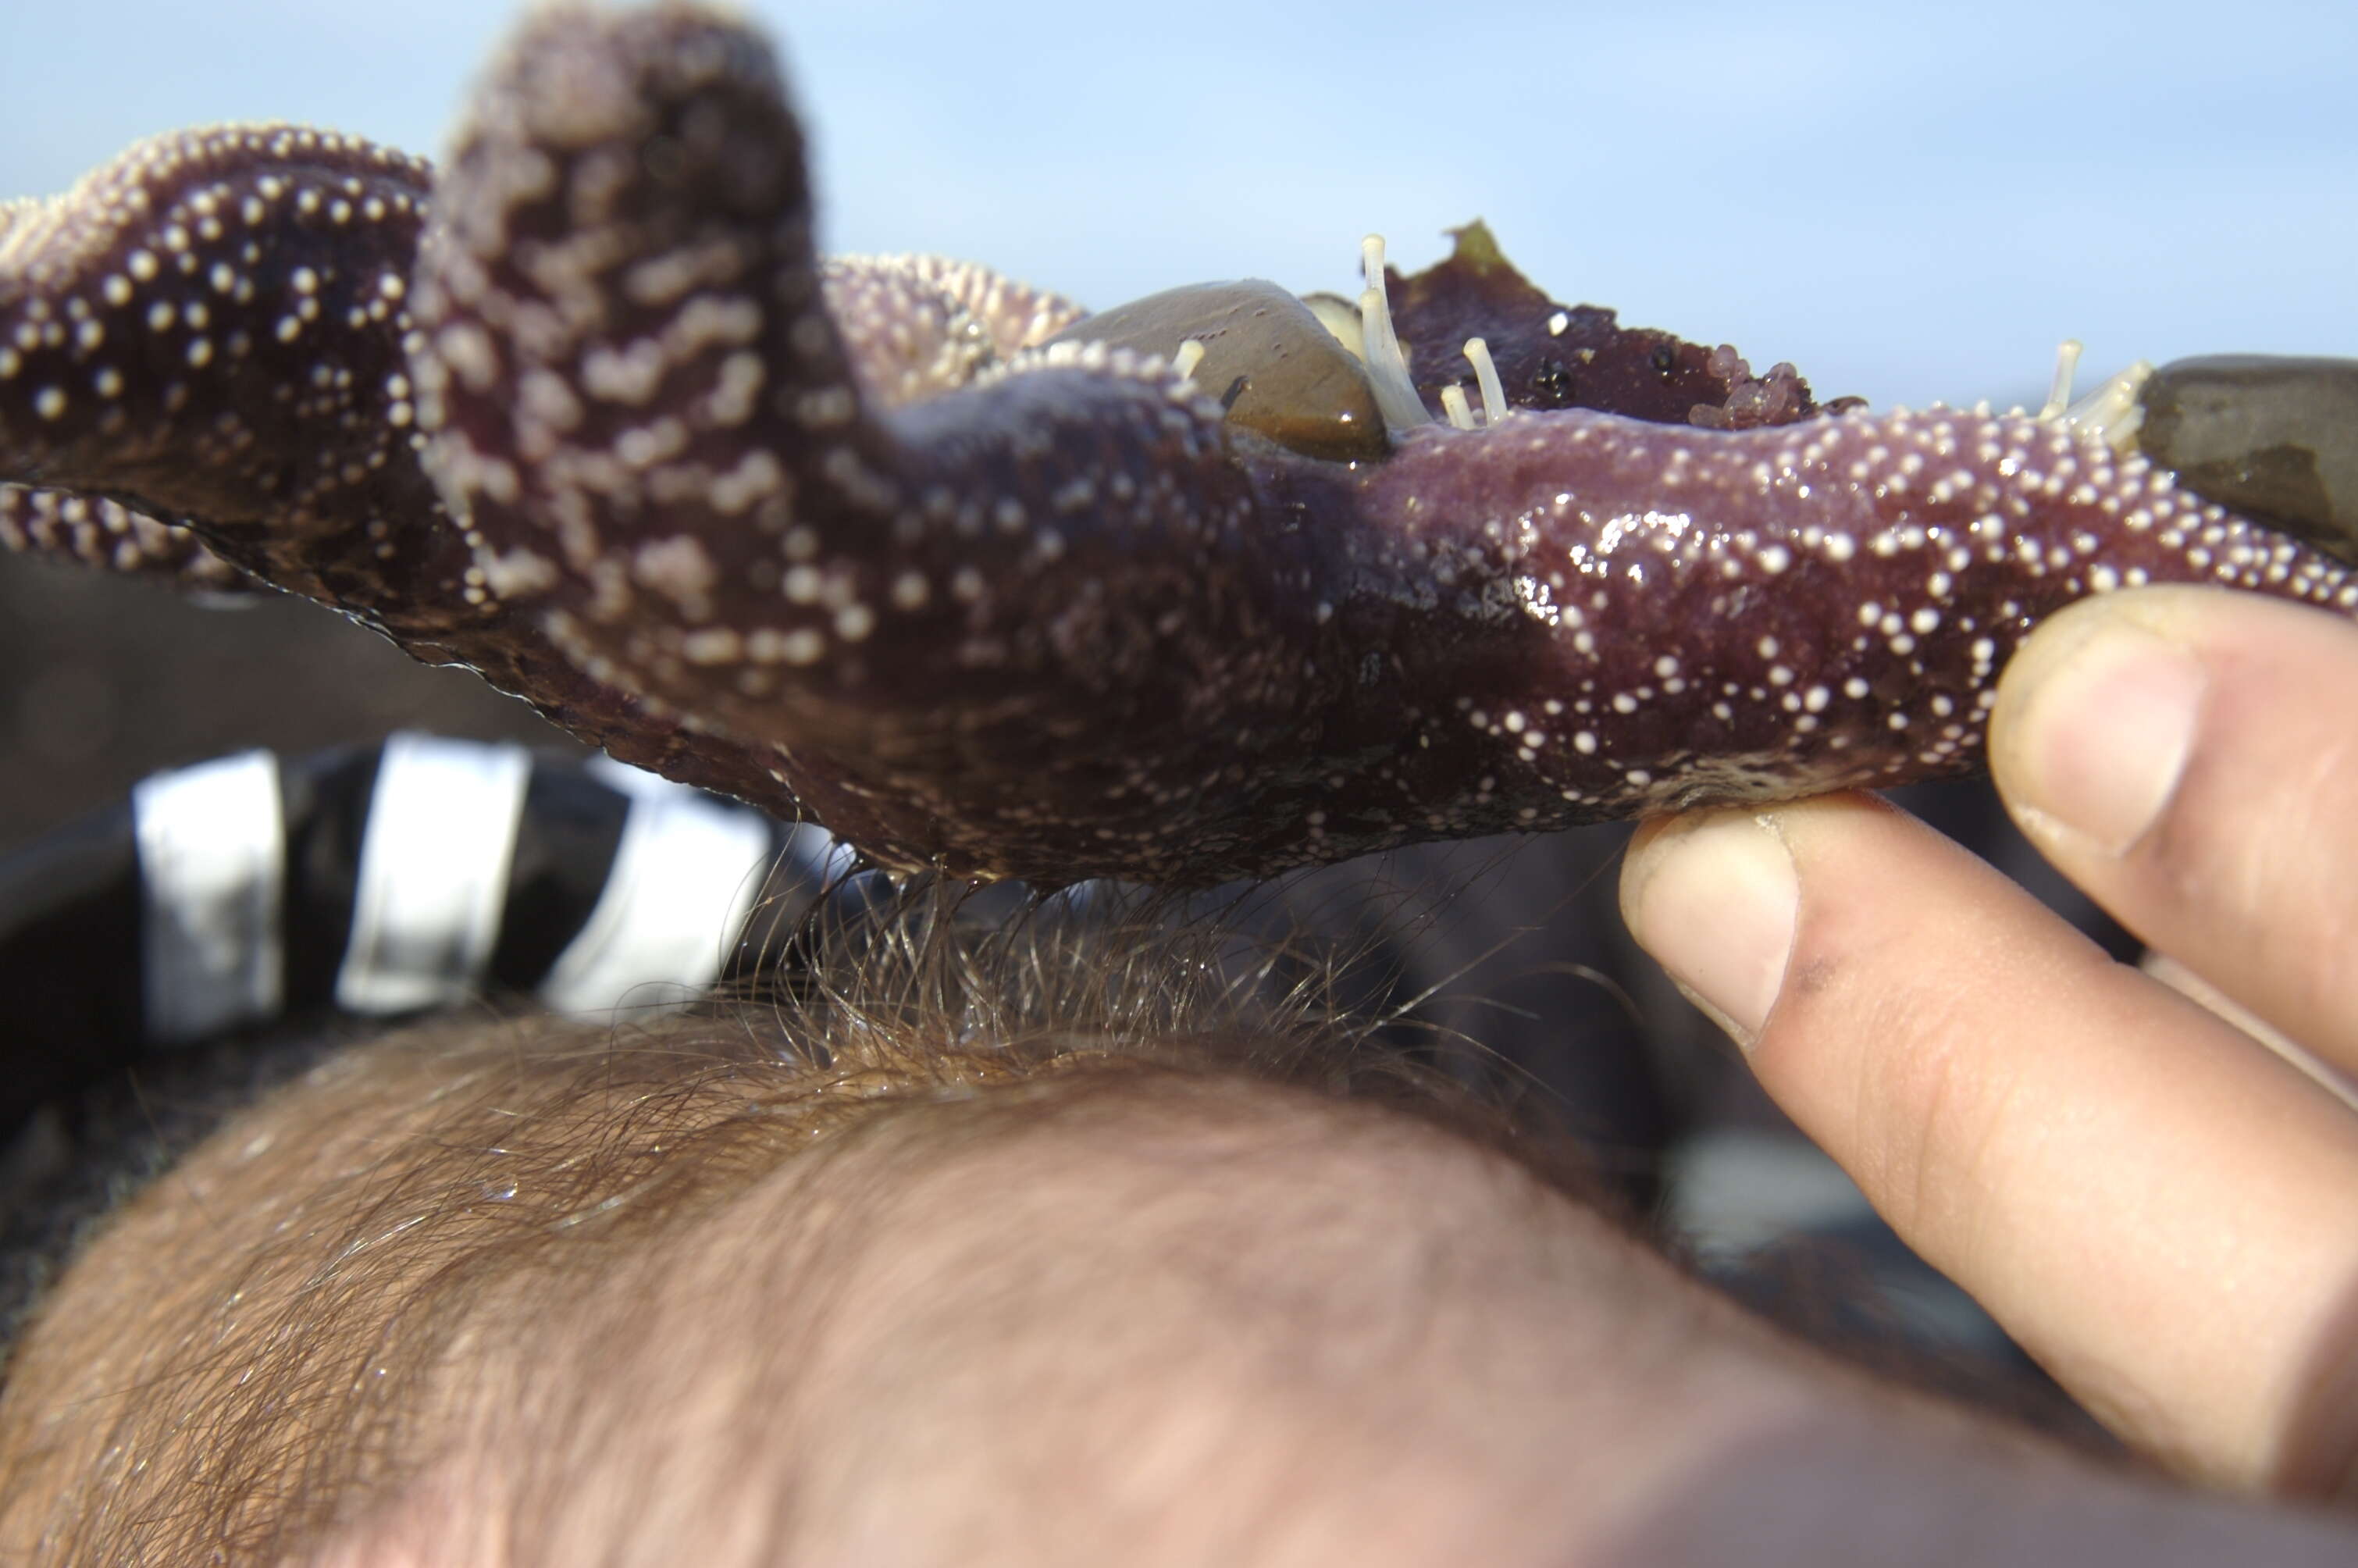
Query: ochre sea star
{"x": 858, "y": 540}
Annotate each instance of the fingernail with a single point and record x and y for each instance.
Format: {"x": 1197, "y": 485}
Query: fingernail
{"x": 1715, "y": 907}
{"x": 2102, "y": 735}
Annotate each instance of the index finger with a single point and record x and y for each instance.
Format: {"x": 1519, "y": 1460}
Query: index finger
{"x": 2164, "y": 1213}
{"x": 2189, "y": 758}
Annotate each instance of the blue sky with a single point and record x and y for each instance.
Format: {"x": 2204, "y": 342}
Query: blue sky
{"x": 1909, "y": 201}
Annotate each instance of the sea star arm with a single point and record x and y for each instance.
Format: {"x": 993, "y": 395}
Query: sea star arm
{"x": 1066, "y": 618}
{"x": 107, "y": 535}
{"x": 209, "y": 330}
{"x": 913, "y": 547}
{"x": 656, "y": 428}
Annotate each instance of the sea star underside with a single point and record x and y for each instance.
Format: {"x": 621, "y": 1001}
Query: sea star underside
{"x": 1189, "y": 591}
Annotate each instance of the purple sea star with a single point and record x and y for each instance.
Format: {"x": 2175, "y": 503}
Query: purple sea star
{"x": 909, "y": 547}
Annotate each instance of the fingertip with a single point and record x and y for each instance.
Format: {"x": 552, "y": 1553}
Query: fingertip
{"x": 1715, "y": 897}
{"x": 2095, "y": 720}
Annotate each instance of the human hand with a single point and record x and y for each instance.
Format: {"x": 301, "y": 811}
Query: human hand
{"x": 2161, "y": 1209}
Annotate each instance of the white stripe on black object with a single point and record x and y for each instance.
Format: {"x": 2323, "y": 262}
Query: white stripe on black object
{"x": 682, "y": 884}
{"x": 213, "y": 865}
{"x": 433, "y": 874}
{"x": 823, "y": 858}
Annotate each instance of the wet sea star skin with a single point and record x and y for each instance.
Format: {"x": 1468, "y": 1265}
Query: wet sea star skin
{"x": 1067, "y": 620}
{"x": 210, "y": 325}
{"x": 1824, "y": 604}
{"x": 833, "y": 536}
{"x": 209, "y": 330}
{"x": 916, "y": 327}
{"x": 1576, "y": 356}
{"x": 113, "y": 537}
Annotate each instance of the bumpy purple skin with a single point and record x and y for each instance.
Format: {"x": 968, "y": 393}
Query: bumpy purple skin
{"x": 113, "y": 537}
{"x": 210, "y": 330}
{"x": 835, "y": 539}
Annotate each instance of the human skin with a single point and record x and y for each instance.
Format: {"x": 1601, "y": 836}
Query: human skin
{"x": 1151, "y": 1308}
{"x": 2160, "y": 1207}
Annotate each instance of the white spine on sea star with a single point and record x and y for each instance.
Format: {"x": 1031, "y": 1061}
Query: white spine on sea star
{"x": 2115, "y": 411}
{"x": 2112, "y": 414}
{"x": 1453, "y": 404}
{"x": 1494, "y": 407}
{"x": 1387, "y": 366}
{"x": 1486, "y": 375}
{"x": 2059, "y": 390}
